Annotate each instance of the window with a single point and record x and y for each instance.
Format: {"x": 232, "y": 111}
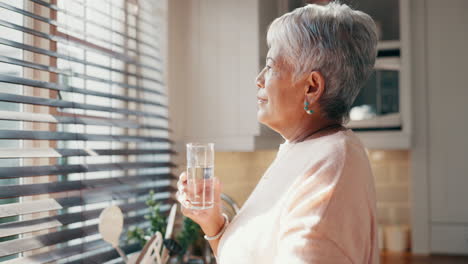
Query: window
{"x": 83, "y": 124}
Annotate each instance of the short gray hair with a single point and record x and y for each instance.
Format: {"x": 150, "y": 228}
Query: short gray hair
{"x": 334, "y": 39}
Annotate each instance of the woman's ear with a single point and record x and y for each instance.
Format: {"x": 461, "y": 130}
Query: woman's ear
{"x": 315, "y": 86}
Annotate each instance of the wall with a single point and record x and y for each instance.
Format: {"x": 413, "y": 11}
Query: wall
{"x": 213, "y": 62}
{"x": 439, "y": 138}
{"x": 392, "y": 183}
{"x": 239, "y": 172}
{"x": 441, "y": 161}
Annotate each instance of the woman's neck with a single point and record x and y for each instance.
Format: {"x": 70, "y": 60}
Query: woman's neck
{"x": 309, "y": 128}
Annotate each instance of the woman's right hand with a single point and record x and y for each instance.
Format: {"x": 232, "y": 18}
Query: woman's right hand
{"x": 210, "y": 220}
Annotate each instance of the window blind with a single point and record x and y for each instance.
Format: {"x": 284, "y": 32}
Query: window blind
{"x": 83, "y": 124}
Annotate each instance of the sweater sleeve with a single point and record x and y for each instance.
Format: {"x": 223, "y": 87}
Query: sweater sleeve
{"x": 310, "y": 249}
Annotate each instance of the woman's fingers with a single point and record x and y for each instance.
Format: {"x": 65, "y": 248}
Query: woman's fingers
{"x": 196, "y": 188}
{"x": 217, "y": 189}
{"x": 182, "y": 183}
{"x": 181, "y": 195}
{"x": 182, "y": 198}
{"x": 183, "y": 177}
{"x": 181, "y": 187}
{"x": 182, "y": 180}
{"x": 194, "y": 214}
{"x": 187, "y": 192}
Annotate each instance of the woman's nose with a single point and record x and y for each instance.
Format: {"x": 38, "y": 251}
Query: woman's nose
{"x": 260, "y": 80}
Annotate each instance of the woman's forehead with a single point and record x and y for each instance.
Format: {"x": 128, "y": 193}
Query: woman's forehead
{"x": 272, "y": 51}
{"x": 273, "y": 55}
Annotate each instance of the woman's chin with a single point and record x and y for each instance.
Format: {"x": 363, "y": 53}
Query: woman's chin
{"x": 262, "y": 117}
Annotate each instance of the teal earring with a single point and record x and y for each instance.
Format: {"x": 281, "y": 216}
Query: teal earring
{"x": 306, "y": 108}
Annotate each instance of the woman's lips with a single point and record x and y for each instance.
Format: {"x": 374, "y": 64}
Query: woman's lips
{"x": 261, "y": 100}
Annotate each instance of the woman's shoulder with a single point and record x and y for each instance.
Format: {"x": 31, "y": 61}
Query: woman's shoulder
{"x": 321, "y": 162}
{"x": 331, "y": 158}
{"x": 336, "y": 145}
{"x": 337, "y": 163}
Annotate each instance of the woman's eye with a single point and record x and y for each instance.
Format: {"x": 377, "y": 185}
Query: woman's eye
{"x": 267, "y": 67}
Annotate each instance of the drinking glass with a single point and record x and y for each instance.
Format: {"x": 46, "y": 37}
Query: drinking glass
{"x": 200, "y": 165}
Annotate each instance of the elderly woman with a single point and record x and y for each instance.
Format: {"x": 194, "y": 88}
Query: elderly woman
{"x": 316, "y": 202}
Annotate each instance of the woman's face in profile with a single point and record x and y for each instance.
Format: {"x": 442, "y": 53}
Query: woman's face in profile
{"x": 279, "y": 100}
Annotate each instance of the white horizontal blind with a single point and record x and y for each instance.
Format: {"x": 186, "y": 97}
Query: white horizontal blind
{"x": 83, "y": 124}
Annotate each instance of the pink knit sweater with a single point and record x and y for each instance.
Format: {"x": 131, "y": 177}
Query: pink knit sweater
{"x": 315, "y": 204}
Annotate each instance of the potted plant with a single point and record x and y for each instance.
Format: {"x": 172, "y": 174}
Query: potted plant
{"x": 189, "y": 236}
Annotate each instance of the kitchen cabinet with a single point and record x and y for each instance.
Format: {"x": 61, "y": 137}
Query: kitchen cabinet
{"x": 213, "y": 65}
{"x": 447, "y": 41}
{"x": 439, "y": 156}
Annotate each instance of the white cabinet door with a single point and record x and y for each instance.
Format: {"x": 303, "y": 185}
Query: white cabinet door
{"x": 449, "y": 239}
{"x": 447, "y": 57}
{"x": 222, "y": 66}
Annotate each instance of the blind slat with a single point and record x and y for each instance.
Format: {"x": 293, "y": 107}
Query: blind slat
{"x": 89, "y": 197}
{"x": 56, "y": 8}
{"x": 123, "y": 193}
{"x": 28, "y": 207}
{"x": 16, "y": 228}
{"x": 64, "y": 87}
{"x": 66, "y": 136}
{"x": 141, "y": 42}
{"x": 147, "y": 33}
{"x": 9, "y": 153}
{"x": 26, "y": 226}
{"x": 76, "y": 119}
{"x": 9, "y": 191}
{"x": 55, "y": 23}
{"x": 6, "y": 97}
{"x": 136, "y": 14}
{"x": 70, "y": 40}
{"x": 60, "y": 253}
{"x": 108, "y": 255}
{"x": 28, "y": 171}
{"x": 73, "y": 59}
{"x": 25, "y": 244}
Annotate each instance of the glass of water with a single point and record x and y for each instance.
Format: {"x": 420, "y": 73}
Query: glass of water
{"x": 200, "y": 178}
